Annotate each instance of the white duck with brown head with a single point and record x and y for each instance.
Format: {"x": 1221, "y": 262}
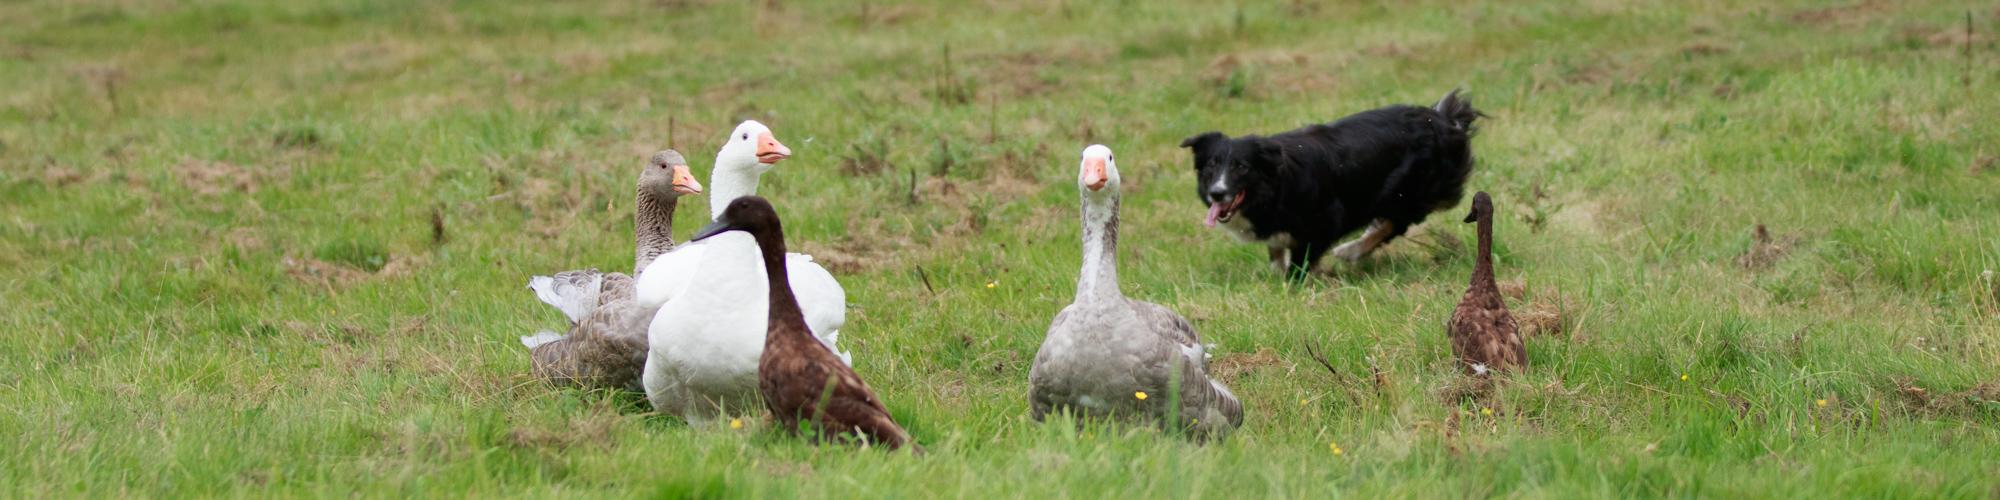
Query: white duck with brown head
{"x": 705, "y": 340}
{"x": 1108, "y": 356}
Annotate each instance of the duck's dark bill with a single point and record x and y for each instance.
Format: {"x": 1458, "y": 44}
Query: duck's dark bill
{"x": 712, "y": 229}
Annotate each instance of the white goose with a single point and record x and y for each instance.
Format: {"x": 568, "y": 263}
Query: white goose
{"x": 705, "y": 341}
{"x": 1108, "y": 356}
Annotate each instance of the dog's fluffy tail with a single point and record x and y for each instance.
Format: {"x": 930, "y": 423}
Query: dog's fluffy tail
{"x": 1458, "y": 110}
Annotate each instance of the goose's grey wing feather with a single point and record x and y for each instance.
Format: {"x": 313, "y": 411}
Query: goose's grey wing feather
{"x": 1207, "y": 406}
{"x": 1044, "y": 391}
{"x": 616, "y": 287}
{"x": 575, "y": 293}
{"x": 606, "y": 350}
{"x": 1173, "y": 328}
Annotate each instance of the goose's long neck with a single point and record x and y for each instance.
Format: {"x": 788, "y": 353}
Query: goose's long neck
{"x": 727, "y": 183}
{"x": 1482, "y": 271}
{"x": 1099, "y": 280}
{"x": 653, "y": 221}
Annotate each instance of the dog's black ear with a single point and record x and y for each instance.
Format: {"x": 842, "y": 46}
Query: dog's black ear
{"x": 1202, "y": 141}
{"x": 1270, "y": 154}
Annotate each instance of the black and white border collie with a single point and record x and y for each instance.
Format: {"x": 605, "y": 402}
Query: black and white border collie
{"x": 1298, "y": 192}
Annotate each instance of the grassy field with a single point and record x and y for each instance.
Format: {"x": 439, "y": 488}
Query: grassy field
{"x": 250, "y": 249}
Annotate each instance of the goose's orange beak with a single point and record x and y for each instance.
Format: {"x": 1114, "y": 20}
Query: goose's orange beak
{"x": 1094, "y": 177}
{"x": 684, "y": 182}
{"x": 770, "y": 151}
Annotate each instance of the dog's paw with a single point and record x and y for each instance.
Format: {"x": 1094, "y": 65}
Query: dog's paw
{"x": 1351, "y": 251}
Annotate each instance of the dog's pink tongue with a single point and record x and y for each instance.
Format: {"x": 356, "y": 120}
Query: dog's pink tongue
{"x": 1214, "y": 212}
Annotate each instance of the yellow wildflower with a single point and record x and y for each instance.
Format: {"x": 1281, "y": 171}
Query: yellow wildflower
{"x": 992, "y": 284}
{"x": 1821, "y": 403}
{"x": 1486, "y": 411}
{"x": 1141, "y": 395}
{"x": 736, "y": 423}
{"x": 1684, "y": 377}
{"x": 1335, "y": 446}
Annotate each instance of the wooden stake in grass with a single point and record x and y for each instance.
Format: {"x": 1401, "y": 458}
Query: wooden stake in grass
{"x": 944, "y": 75}
{"x": 1967, "y": 79}
{"x": 941, "y": 165}
{"x": 437, "y": 225}
{"x": 926, "y": 278}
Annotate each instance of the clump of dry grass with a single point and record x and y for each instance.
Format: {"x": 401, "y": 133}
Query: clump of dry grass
{"x": 1548, "y": 312}
{"x": 1228, "y": 366}
{"x": 1765, "y": 250}
{"x": 1967, "y": 403}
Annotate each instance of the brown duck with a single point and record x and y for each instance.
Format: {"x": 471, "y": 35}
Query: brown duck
{"x": 798, "y": 376}
{"x": 1483, "y": 335}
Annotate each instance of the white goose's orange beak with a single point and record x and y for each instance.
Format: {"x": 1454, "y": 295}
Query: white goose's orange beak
{"x": 1094, "y": 177}
{"x": 684, "y": 182}
{"x": 770, "y": 151}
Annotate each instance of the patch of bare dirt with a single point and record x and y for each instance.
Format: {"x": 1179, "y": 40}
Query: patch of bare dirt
{"x": 211, "y": 178}
{"x": 866, "y": 159}
{"x": 244, "y": 239}
{"x": 1928, "y": 401}
{"x": 873, "y": 14}
{"x": 1949, "y": 37}
{"x": 1850, "y": 15}
{"x": 1019, "y": 75}
{"x": 1984, "y": 164}
{"x": 1704, "y": 49}
{"x": 967, "y": 202}
{"x": 323, "y": 273}
{"x": 402, "y": 265}
{"x": 845, "y": 257}
{"x": 1285, "y": 72}
{"x": 1539, "y": 321}
{"x": 335, "y": 276}
{"x": 1547, "y": 311}
{"x": 1459, "y": 389}
{"x": 1765, "y": 249}
{"x": 63, "y": 176}
{"x": 1581, "y": 216}
{"x": 1222, "y": 66}
{"x": 1228, "y": 366}
{"x": 583, "y": 61}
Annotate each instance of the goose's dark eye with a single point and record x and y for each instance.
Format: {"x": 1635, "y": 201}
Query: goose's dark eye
{"x": 746, "y": 137}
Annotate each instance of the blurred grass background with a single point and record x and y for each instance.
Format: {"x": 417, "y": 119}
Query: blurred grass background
{"x": 222, "y": 276}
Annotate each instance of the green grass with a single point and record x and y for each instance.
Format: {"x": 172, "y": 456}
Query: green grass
{"x": 219, "y": 276}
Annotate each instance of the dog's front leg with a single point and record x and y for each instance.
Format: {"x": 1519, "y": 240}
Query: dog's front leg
{"x": 1378, "y": 233}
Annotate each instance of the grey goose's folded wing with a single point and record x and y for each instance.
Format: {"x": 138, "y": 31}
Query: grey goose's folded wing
{"x": 1173, "y": 328}
{"x": 575, "y": 293}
